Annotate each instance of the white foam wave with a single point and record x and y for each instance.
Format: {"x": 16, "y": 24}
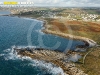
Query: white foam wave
{"x": 49, "y": 67}
{"x": 20, "y": 47}
{"x": 40, "y": 32}
{"x": 10, "y": 54}
{"x": 1, "y": 55}
{"x": 26, "y": 18}
{"x": 46, "y": 67}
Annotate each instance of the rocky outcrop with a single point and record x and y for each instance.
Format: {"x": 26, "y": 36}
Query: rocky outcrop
{"x": 88, "y": 42}
{"x": 55, "y": 57}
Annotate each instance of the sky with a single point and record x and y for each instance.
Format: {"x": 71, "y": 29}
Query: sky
{"x": 62, "y": 3}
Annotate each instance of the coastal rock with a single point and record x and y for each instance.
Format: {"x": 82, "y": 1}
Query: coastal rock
{"x": 88, "y": 42}
{"x": 55, "y": 57}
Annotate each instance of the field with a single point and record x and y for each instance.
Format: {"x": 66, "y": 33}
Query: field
{"x": 80, "y": 28}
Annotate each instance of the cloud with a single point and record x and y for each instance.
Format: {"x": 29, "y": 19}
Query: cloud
{"x": 68, "y": 2}
{"x": 83, "y": 2}
{"x": 78, "y": 3}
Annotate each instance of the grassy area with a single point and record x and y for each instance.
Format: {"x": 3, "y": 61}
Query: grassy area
{"x": 92, "y": 62}
{"x": 92, "y": 11}
{"x": 85, "y": 29}
{"x": 80, "y": 28}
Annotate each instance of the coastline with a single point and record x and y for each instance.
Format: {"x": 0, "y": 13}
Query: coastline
{"x": 69, "y": 68}
{"x": 59, "y": 61}
{"x": 94, "y": 56}
{"x": 88, "y": 42}
{"x": 58, "y": 58}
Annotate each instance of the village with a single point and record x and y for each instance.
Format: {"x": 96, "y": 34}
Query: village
{"x": 54, "y": 13}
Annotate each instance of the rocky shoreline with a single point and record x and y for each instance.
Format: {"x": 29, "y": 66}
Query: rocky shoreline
{"x": 58, "y": 58}
{"x": 88, "y": 42}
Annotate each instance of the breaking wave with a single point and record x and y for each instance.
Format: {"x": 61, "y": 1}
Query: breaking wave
{"x": 11, "y": 54}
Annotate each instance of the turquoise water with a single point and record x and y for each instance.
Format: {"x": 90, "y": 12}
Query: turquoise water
{"x": 27, "y": 32}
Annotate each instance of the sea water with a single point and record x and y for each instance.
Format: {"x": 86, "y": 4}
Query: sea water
{"x": 22, "y": 32}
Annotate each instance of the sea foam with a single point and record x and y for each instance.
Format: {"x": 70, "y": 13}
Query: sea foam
{"x": 11, "y": 54}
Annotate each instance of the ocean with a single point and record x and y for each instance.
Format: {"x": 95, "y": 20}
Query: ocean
{"x": 25, "y": 32}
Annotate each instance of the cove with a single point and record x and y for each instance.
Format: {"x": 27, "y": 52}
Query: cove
{"x": 27, "y": 32}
